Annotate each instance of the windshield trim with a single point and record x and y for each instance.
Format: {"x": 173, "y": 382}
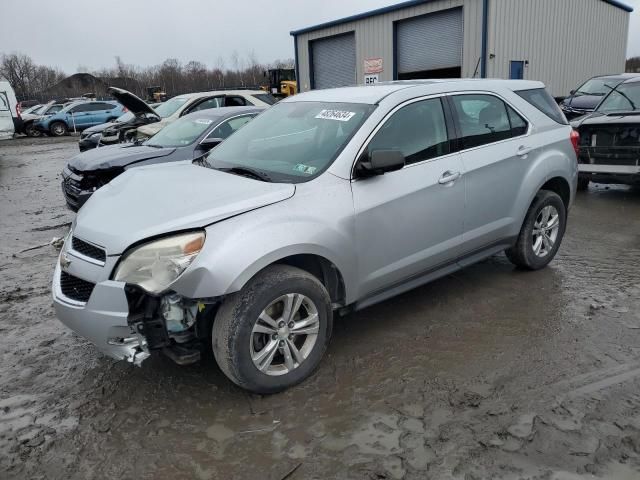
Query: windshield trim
{"x": 280, "y": 177}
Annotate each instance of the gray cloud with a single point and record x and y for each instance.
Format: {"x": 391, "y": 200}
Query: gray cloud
{"x": 77, "y": 32}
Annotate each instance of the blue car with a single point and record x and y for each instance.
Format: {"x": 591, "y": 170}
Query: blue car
{"x": 79, "y": 115}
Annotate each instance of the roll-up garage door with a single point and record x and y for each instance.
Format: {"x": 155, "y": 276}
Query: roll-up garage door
{"x": 334, "y": 61}
{"x": 429, "y": 43}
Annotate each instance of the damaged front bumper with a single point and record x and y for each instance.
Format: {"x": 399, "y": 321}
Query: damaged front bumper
{"x": 102, "y": 319}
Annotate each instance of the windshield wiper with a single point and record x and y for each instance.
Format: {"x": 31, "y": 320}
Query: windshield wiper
{"x": 247, "y": 172}
{"x": 153, "y": 145}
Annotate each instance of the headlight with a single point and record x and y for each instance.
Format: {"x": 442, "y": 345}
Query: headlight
{"x": 157, "y": 264}
{"x": 94, "y": 134}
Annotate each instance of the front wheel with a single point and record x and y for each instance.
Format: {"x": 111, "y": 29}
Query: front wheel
{"x": 58, "y": 129}
{"x": 273, "y": 333}
{"x": 31, "y": 130}
{"x": 541, "y": 233}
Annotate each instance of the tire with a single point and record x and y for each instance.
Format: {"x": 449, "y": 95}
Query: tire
{"x": 58, "y": 129}
{"x": 31, "y": 131}
{"x": 536, "y": 254}
{"x": 236, "y": 343}
{"x": 583, "y": 182}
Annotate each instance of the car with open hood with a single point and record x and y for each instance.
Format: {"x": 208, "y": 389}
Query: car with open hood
{"x": 185, "y": 139}
{"x": 328, "y": 202}
{"x": 610, "y": 138}
{"x": 187, "y": 103}
{"x": 586, "y": 97}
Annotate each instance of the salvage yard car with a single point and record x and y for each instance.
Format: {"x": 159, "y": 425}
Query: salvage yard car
{"x": 78, "y": 115}
{"x": 587, "y": 96}
{"x": 29, "y": 119}
{"x": 329, "y": 201}
{"x": 187, "y": 138}
{"x": 610, "y": 138}
{"x": 182, "y": 105}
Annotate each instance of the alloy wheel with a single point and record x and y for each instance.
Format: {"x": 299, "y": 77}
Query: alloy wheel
{"x": 284, "y": 334}
{"x": 545, "y": 231}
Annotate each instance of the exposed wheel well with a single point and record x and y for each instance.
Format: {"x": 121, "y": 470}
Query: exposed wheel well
{"x": 323, "y": 270}
{"x": 560, "y": 186}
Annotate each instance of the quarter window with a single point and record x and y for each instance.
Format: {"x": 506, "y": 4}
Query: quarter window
{"x": 483, "y": 119}
{"x": 214, "y": 102}
{"x": 418, "y": 130}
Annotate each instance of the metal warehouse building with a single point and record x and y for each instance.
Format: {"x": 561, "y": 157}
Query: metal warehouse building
{"x": 561, "y": 42}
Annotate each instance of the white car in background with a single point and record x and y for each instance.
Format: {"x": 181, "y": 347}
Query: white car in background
{"x": 181, "y": 105}
{"x": 8, "y": 111}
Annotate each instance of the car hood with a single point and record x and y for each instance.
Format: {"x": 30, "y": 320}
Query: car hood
{"x": 583, "y": 102}
{"x": 130, "y": 101}
{"x": 153, "y": 128}
{"x": 606, "y": 120}
{"x": 115, "y": 156}
{"x": 149, "y": 201}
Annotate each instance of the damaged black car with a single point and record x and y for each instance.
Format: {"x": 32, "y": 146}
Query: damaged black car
{"x": 610, "y": 138}
{"x": 185, "y": 139}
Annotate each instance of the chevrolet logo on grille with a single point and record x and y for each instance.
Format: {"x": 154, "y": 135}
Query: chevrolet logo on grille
{"x": 65, "y": 261}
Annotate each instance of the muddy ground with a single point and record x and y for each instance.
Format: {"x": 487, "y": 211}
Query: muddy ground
{"x": 488, "y": 373}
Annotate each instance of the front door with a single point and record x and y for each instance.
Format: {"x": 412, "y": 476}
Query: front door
{"x": 496, "y": 153}
{"x": 409, "y": 222}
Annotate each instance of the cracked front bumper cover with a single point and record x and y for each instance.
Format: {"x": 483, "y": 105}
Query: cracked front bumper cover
{"x": 102, "y": 320}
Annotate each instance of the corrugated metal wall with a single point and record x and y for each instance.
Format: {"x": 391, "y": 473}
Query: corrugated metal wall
{"x": 565, "y": 41}
{"x": 374, "y": 38}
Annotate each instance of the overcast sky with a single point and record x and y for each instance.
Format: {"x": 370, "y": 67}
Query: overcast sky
{"x": 90, "y": 33}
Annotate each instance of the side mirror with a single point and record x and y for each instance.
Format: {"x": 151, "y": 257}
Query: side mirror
{"x": 381, "y": 162}
{"x": 209, "y": 143}
{"x": 572, "y": 92}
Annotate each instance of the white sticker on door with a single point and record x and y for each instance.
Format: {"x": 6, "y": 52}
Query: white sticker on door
{"x": 340, "y": 115}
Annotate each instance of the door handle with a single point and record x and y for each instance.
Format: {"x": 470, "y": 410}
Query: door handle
{"x": 523, "y": 151}
{"x": 449, "y": 177}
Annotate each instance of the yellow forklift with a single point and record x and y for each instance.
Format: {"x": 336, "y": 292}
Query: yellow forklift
{"x": 282, "y": 82}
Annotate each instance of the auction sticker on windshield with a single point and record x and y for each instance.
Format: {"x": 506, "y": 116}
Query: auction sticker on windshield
{"x": 306, "y": 169}
{"x": 340, "y": 115}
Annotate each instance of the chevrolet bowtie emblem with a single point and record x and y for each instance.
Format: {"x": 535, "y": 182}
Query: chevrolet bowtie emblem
{"x": 65, "y": 261}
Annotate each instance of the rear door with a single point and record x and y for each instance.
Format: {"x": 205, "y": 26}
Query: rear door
{"x": 79, "y": 117}
{"x": 6, "y": 120}
{"x": 101, "y": 112}
{"x": 409, "y": 222}
{"x": 496, "y": 153}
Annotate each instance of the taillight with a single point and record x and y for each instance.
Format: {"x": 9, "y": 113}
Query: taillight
{"x": 575, "y": 140}
{"x": 18, "y": 110}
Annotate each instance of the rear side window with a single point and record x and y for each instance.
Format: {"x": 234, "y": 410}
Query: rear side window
{"x": 418, "y": 130}
{"x": 213, "y": 102}
{"x": 540, "y": 98}
{"x": 519, "y": 125}
{"x": 234, "y": 102}
{"x": 266, "y": 98}
{"x": 482, "y": 119}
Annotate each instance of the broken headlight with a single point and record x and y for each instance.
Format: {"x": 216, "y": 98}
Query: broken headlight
{"x": 155, "y": 265}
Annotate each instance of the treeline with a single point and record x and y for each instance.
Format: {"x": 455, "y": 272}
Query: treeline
{"x": 633, "y": 65}
{"x": 33, "y": 81}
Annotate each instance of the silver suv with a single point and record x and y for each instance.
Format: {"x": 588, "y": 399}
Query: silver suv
{"x": 329, "y": 201}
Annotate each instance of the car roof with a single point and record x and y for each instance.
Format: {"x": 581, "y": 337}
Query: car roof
{"x": 372, "y": 94}
{"x": 617, "y": 76}
{"x": 633, "y": 79}
{"x": 223, "y": 112}
{"x": 220, "y": 92}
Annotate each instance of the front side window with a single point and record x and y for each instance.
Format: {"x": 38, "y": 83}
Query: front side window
{"x": 180, "y": 133}
{"x": 226, "y": 128}
{"x": 483, "y": 119}
{"x": 418, "y": 130}
{"x": 292, "y": 141}
{"x": 625, "y": 98}
{"x": 205, "y": 105}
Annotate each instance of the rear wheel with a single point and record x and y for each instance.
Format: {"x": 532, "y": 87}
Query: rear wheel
{"x": 541, "y": 233}
{"x": 273, "y": 333}
{"x": 583, "y": 182}
{"x": 31, "y": 130}
{"x": 58, "y": 129}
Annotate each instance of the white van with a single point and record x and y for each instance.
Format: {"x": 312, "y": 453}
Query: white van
{"x": 8, "y": 110}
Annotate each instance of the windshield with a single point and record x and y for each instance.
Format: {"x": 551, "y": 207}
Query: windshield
{"x": 179, "y": 133}
{"x": 291, "y": 141}
{"x": 597, "y": 86}
{"x": 170, "y": 106}
{"x": 626, "y": 97}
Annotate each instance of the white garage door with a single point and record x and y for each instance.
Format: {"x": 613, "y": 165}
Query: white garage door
{"x": 431, "y": 42}
{"x": 334, "y": 61}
